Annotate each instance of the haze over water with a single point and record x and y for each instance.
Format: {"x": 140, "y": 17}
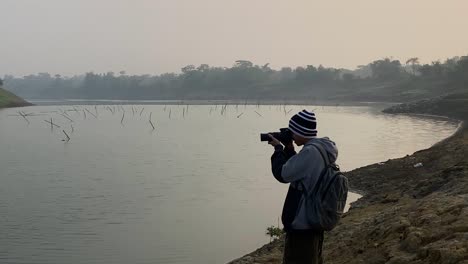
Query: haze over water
{"x": 197, "y": 189}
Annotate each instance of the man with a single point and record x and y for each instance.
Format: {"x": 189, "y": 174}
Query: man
{"x": 301, "y": 170}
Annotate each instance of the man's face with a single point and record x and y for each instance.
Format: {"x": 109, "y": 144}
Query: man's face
{"x": 299, "y": 140}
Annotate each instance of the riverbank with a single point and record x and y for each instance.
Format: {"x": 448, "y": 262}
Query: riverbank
{"x": 8, "y": 99}
{"x": 415, "y": 208}
{"x": 205, "y": 102}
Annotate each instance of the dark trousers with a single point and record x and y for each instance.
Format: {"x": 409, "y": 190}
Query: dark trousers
{"x": 303, "y": 248}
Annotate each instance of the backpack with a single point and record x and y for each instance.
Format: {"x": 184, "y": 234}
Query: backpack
{"x": 324, "y": 205}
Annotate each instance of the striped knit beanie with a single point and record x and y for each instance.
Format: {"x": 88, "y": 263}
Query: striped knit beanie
{"x": 304, "y": 124}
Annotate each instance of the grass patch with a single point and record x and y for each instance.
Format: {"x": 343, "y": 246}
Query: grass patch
{"x": 8, "y": 99}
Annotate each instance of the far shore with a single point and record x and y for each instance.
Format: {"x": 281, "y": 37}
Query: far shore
{"x": 205, "y": 102}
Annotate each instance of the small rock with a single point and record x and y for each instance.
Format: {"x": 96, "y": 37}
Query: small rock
{"x": 418, "y": 165}
{"x": 412, "y": 242}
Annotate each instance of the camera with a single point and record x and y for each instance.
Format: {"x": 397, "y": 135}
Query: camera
{"x": 284, "y": 136}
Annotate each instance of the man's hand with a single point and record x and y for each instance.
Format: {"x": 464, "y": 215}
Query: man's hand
{"x": 274, "y": 142}
{"x": 289, "y": 146}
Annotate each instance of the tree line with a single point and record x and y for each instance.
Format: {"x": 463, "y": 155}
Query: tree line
{"x": 384, "y": 79}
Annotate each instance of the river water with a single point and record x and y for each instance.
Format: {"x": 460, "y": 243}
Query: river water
{"x": 196, "y": 189}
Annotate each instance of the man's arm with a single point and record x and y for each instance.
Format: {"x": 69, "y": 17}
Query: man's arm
{"x": 279, "y": 158}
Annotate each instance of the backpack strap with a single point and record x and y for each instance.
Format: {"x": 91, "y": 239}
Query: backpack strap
{"x": 322, "y": 174}
{"x": 324, "y": 155}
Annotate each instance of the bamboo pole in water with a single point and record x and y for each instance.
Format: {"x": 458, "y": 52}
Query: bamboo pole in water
{"x": 151, "y": 122}
{"x": 67, "y": 117}
{"x": 110, "y": 110}
{"x": 90, "y": 113}
{"x": 68, "y": 138}
{"x": 51, "y": 122}
{"x": 24, "y": 116}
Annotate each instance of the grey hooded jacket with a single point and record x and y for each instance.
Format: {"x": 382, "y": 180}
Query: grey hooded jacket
{"x": 301, "y": 169}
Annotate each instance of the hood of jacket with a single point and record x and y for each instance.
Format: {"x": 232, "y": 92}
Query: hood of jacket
{"x": 328, "y": 145}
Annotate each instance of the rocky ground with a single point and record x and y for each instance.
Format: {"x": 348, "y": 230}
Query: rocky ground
{"x": 409, "y": 214}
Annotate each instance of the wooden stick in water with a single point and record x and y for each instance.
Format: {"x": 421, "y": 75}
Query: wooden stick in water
{"x": 24, "y": 116}
{"x": 90, "y": 113}
{"x": 68, "y": 138}
{"x": 67, "y": 117}
{"x": 51, "y": 123}
{"x": 151, "y": 123}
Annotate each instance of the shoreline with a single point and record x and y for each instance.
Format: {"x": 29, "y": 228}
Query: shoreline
{"x": 407, "y": 214}
{"x": 64, "y": 102}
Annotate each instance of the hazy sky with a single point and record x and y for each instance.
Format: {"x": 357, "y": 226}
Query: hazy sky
{"x": 156, "y": 36}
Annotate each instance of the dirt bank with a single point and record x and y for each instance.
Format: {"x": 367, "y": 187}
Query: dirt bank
{"x": 8, "y": 99}
{"x": 409, "y": 214}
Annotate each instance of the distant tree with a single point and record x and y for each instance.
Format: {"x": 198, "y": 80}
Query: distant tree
{"x": 188, "y": 69}
{"x": 243, "y": 64}
{"x": 286, "y": 70}
{"x": 247, "y": 80}
{"x": 432, "y": 71}
{"x": 458, "y": 69}
{"x": 44, "y": 75}
{"x": 203, "y": 67}
{"x": 414, "y": 63}
{"x": 386, "y": 69}
{"x": 347, "y": 77}
{"x": 363, "y": 71}
{"x": 266, "y": 68}
{"x": 1, "y": 82}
